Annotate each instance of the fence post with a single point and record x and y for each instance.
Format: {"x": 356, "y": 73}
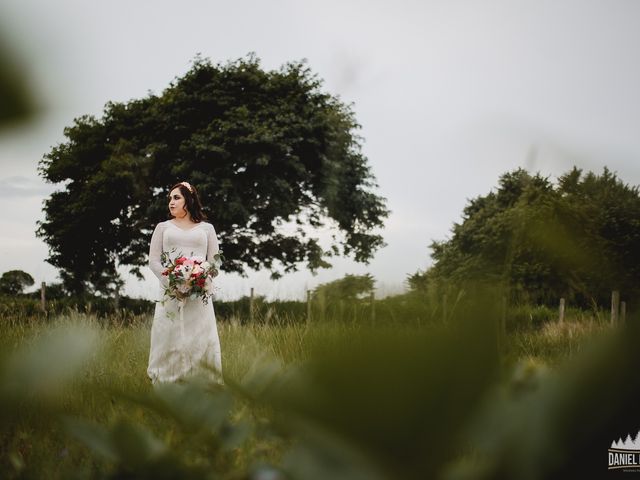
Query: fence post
{"x": 43, "y": 298}
{"x": 372, "y": 299}
{"x": 308, "y": 306}
{"x": 623, "y": 312}
{"x": 615, "y": 307}
{"x": 251, "y": 306}
{"x": 561, "y": 315}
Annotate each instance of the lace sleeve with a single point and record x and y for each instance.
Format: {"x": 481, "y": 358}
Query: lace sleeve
{"x": 155, "y": 251}
{"x": 213, "y": 245}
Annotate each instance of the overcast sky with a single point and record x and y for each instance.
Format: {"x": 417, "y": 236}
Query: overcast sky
{"x": 450, "y": 94}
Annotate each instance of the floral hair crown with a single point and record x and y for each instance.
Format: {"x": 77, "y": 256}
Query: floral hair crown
{"x": 188, "y": 185}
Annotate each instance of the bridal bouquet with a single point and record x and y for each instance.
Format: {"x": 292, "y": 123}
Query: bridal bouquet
{"x": 189, "y": 277}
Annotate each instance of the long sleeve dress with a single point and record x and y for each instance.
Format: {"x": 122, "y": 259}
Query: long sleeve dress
{"x": 179, "y": 350}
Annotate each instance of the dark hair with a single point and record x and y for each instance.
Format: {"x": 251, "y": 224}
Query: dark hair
{"x": 191, "y": 201}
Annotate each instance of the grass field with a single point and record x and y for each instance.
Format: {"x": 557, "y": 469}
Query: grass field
{"x": 97, "y": 415}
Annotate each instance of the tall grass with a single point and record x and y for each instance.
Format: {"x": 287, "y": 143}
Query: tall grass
{"x": 111, "y": 390}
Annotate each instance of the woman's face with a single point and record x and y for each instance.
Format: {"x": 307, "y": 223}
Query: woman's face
{"x": 176, "y": 204}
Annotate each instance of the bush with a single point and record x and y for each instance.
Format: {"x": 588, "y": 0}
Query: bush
{"x": 21, "y": 307}
{"x": 526, "y": 317}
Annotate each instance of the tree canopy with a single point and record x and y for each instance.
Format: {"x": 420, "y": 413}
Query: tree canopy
{"x": 272, "y": 155}
{"x": 349, "y": 288}
{"x": 578, "y": 239}
{"x": 14, "y": 282}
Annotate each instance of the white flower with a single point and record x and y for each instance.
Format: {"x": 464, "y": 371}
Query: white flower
{"x": 186, "y": 270}
{"x": 197, "y": 269}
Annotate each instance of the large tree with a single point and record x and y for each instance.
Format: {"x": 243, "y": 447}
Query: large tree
{"x": 14, "y": 282}
{"x": 578, "y": 238}
{"x": 272, "y": 156}
{"x": 349, "y": 288}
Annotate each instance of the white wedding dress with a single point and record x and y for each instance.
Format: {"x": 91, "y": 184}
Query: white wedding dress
{"x": 181, "y": 344}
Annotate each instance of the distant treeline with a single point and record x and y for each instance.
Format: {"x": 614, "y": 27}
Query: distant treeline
{"x": 536, "y": 241}
{"x": 409, "y": 309}
{"x": 577, "y": 239}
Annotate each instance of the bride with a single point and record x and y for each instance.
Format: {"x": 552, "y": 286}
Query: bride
{"x": 180, "y": 349}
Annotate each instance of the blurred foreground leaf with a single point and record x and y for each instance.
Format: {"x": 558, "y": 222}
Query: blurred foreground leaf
{"x": 16, "y": 102}
{"x": 385, "y": 404}
{"x": 563, "y": 427}
{"x": 41, "y": 369}
{"x": 196, "y": 408}
{"x": 133, "y": 450}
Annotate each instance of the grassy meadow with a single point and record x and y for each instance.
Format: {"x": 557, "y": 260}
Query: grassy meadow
{"x": 76, "y": 401}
